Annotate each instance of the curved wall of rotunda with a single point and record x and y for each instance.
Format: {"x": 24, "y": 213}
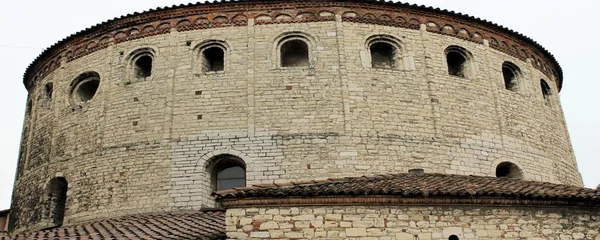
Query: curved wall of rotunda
{"x": 163, "y": 110}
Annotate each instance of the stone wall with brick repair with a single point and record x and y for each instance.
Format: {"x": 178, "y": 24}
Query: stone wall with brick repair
{"x": 144, "y": 146}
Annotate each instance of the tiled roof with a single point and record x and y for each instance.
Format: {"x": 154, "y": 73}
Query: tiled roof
{"x": 419, "y": 186}
{"x": 182, "y": 225}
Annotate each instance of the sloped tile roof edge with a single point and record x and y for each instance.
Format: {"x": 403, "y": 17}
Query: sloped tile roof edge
{"x": 412, "y": 188}
{"x": 209, "y": 224}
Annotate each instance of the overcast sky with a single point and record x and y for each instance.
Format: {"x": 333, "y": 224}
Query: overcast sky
{"x": 565, "y": 28}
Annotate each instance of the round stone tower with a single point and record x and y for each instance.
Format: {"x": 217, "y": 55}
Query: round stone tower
{"x": 152, "y": 112}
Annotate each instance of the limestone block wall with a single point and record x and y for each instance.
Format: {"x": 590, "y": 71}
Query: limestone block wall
{"x": 145, "y": 145}
{"x": 412, "y": 222}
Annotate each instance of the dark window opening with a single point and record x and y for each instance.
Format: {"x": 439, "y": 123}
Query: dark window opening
{"x": 213, "y": 59}
{"x": 510, "y": 74}
{"x": 453, "y": 237}
{"x": 86, "y": 89}
{"x": 228, "y": 172}
{"x": 48, "y": 89}
{"x": 56, "y": 201}
{"x": 546, "y": 90}
{"x": 382, "y": 55}
{"x": 231, "y": 177}
{"x": 294, "y": 53}
{"x": 457, "y": 64}
{"x": 143, "y": 67}
{"x": 509, "y": 170}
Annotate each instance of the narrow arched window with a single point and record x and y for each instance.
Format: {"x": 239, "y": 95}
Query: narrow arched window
{"x": 546, "y": 90}
{"x": 48, "y": 90}
{"x": 56, "y": 200}
{"x": 47, "y": 95}
{"x": 458, "y": 59}
{"x": 294, "y": 53}
{"x": 143, "y": 67}
{"x": 383, "y": 55}
{"x": 228, "y": 172}
{"x": 453, "y": 237}
{"x": 511, "y": 74}
{"x": 213, "y": 59}
{"x": 509, "y": 170}
{"x": 141, "y": 64}
{"x": 385, "y": 52}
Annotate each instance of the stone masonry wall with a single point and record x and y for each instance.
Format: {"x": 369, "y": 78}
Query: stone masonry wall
{"x": 142, "y": 146}
{"x": 412, "y": 223}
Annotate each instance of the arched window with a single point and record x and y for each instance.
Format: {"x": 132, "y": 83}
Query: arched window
{"x": 511, "y": 74}
{"x": 47, "y": 94}
{"x": 546, "y": 90}
{"x": 294, "y": 53}
{"x": 56, "y": 200}
{"x": 143, "y": 66}
{"x": 458, "y": 60}
{"x": 213, "y": 59}
{"x": 84, "y": 87}
{"x": 141, "y": 63}
{"x": 211, "y": 56}
{"x": 382, "y": 55}
{"x": 509, "y": 170}
{"x": 453, "y": 237}
{"x": 228, "y": 172}
{"x": 48, "y": 89}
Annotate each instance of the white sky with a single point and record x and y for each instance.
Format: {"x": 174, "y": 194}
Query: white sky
{"x": 565, "y": 28}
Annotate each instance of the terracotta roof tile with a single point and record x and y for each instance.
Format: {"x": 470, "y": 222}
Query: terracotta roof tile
{"x": 423, "y": 185}
{"x": 181, "y": 225}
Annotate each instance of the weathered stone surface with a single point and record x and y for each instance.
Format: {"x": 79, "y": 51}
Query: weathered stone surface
{"x": 356, "y": 232}
{"x": 465, "y": 222}
{"x": 269, "y": 226}
{"x": 258, "y": 234}
{"x": 140, "y": 145}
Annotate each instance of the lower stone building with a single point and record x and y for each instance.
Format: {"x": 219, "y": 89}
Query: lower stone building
{"x": 412, "y": 206}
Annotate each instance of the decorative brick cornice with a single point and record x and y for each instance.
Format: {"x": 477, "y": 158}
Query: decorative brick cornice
{"x": 236, "y": 14}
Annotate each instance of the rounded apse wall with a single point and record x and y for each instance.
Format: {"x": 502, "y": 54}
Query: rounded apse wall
{"x": 140, "y": 111}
